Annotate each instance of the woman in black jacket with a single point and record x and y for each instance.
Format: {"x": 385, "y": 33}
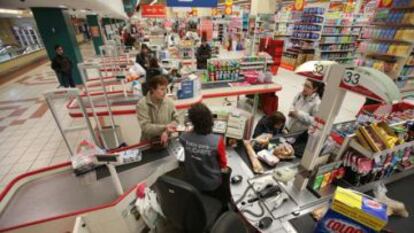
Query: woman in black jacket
{"x": 143, "y": 58}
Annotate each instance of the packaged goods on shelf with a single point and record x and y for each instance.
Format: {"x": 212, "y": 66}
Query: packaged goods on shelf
{"x": 393, "y": 16}
{"x": 361, "y": 170}
{"x": 336, "y": 39}
{"x": 405, "y": 34}
{"x": 327, "y": 174}
{"x": 221, "y": 70}
{"x": 385, "y": 49}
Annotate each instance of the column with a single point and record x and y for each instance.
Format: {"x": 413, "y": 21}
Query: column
{"x": 93, "y": 23}
{"x": 55, "y": 27}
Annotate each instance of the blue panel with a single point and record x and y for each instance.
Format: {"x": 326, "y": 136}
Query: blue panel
{"x": 192, "y": 3}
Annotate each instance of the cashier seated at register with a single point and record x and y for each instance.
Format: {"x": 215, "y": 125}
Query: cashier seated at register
{"x": 205, "y": 153}
{"x": 156, "y": 113}
{"x": 273, "y": 124}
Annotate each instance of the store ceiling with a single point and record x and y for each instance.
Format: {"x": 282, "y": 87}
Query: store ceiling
{"x": 113, "y": 8}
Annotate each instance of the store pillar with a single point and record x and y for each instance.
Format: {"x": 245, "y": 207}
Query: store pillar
{"x": 55, "y": 27}
{"x": 93, "y": 23}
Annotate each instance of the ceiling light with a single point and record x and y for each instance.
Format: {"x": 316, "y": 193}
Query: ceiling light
{"x": 8, "y": 11}
{"x": 62, "y": 6}
{"x": 83, "y": 11}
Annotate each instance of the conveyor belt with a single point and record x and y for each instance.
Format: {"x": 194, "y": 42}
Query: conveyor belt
{"x": 214, "y": 85}
{"x": 64, "y": 193}
{"x": 147, "y": 156}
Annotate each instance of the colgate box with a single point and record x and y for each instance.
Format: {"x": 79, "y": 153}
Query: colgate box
{"x": 353, "y": 212}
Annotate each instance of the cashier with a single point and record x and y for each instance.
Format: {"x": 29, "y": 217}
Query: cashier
{"x": 156, "y": 113}
{"x": 305, "y": 106}
{"x": 273, "y": 124}
{"x": 205, "y": 154}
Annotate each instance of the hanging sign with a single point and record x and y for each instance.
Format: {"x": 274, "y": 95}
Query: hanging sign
{"x": 315, "y": 70}
{"x": 371, "y": 83}
{"x": 94, "y": 30}
{"x": 153, "y": 11}
{"x": 192, "y": 3}
{"x": 228, "y": 10}
{"x": 384, "y": 3}
{"x": 299, "y": 5}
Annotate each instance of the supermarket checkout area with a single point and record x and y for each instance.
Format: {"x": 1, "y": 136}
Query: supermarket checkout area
{"x": 26, "y": 207}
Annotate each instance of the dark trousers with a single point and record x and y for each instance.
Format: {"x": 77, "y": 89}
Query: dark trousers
{"x": 66, "y": 80}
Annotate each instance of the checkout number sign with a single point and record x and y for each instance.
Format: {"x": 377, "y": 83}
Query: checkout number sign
{"x": 351, "y": 78}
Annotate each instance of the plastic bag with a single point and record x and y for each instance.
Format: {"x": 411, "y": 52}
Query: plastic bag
{"x": 84, "y": 157}
{"x": 394, "y": 207}
{"x": 137, "y": 88}
{"x": 148, "y": 206}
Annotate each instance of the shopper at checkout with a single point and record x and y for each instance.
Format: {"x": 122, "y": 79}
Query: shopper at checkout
{"x": 305, "y": 106}
{"x": 273, "y": 124}
{"x": 205, "y": 153}
{"x": 156, "y": 113}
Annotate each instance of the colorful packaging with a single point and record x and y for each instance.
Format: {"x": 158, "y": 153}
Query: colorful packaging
{"x": 352, "y": 212}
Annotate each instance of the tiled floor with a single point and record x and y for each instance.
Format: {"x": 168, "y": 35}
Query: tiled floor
{"x": 29, "y": 138}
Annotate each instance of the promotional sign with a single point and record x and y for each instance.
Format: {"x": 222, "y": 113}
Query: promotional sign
{"x": 94, "y": 30}
{"x": 153, "y": 11}
{"x": 192, "y": 3}
{"x": 299, "y": 5}
{"x": 206, "y": 28}
{"x": 384, "y": 3}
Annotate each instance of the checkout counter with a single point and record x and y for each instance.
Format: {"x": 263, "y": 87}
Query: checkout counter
{"x": 93, "y": 197}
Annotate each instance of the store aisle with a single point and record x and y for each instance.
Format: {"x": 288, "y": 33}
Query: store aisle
{"x": 29, "y": 138}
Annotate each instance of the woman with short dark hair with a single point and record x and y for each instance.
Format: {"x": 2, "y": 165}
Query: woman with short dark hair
{"x": 205, "y": 154}
{"x": 156, "y": 113}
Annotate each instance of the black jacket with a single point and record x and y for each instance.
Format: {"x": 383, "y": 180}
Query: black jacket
{"x": 265, "y": 126}
{"x": 142, "y": 60}
{"x": 202, "y": 55}
{"x": 61, "y": 64}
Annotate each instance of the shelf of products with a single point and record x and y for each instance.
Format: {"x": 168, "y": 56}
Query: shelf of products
{"x": 305, "y": 37}
{"x": 389, "y": 43}
{"x": 338, "y": 37}
{"x": 221, "y": 70}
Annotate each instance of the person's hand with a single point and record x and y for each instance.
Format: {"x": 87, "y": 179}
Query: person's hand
{"x": 164, "y": 138}
{"x": 171, "y": 127}
{"x": 293, "y": 114}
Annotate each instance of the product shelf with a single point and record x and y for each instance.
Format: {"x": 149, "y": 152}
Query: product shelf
{"x": 369, "y": 154}
{"x": 337, "y": 51}
{"x": 324, "y": 43}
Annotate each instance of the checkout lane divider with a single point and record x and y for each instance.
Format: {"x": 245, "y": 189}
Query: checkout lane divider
{"x": 20, "y": 180}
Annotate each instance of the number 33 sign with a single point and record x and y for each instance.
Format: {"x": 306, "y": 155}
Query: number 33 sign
{"x": 351, "y": 78}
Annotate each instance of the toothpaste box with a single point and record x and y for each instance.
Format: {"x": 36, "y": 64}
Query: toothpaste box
{"x": 353, "y": 212}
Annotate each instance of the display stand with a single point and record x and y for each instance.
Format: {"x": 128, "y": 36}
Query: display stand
{"x": 339, "y": 80}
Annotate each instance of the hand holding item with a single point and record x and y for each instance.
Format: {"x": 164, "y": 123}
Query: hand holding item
{"x": 164, "y": 138}
{"x": 171, "y": 127}
{"x": 293, "y": 114}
